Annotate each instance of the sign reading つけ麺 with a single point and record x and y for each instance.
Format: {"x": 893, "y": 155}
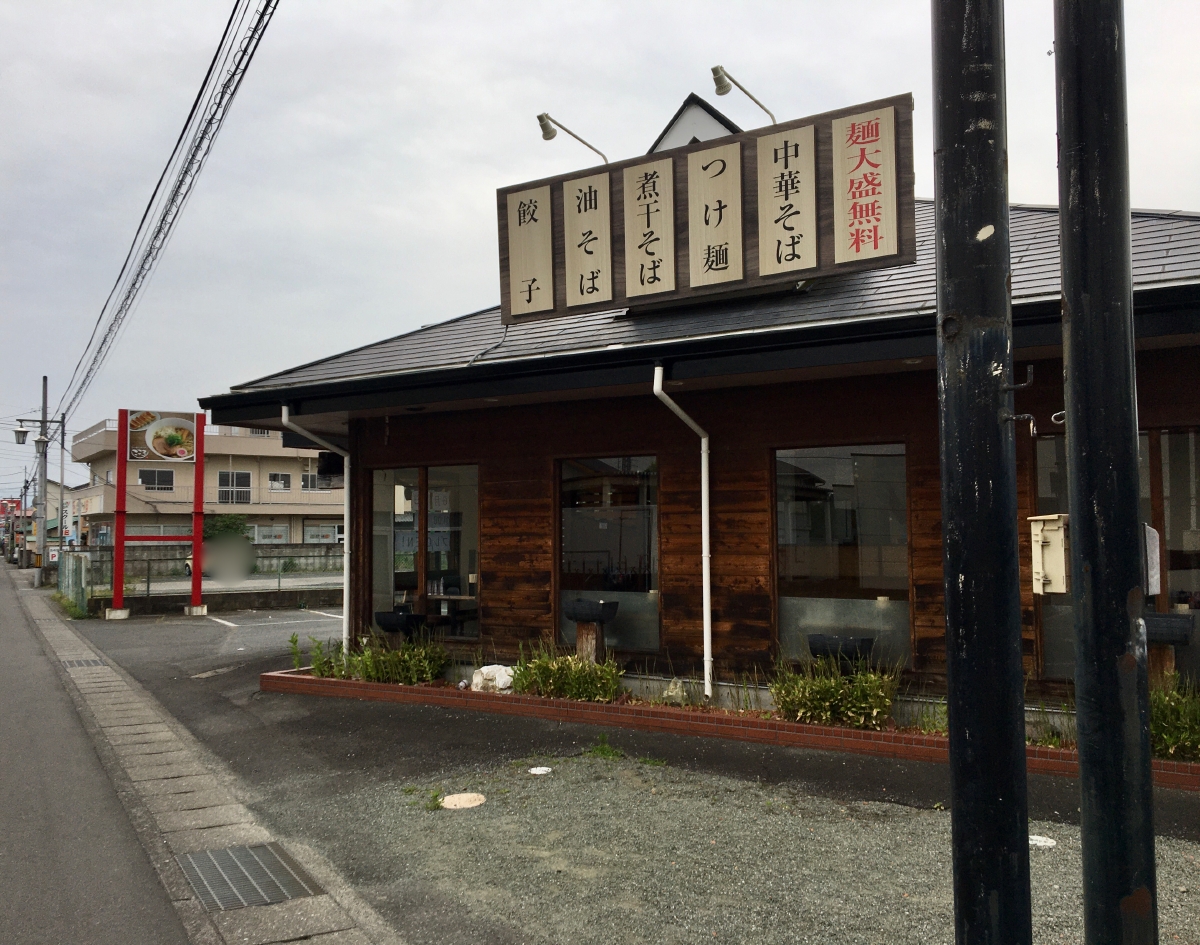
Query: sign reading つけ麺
{"x": 751, "y": 213}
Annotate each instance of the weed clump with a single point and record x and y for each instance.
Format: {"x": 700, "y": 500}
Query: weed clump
{"x": 417, "y": 660}
{"x": 602, "y": 749}
{"x": 1175, "y": 720}
{"x": 566, "y": 677}
{"x": 821, "y": 694}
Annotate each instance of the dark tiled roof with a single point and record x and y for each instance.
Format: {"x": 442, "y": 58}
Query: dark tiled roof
{"x": 1166, "y": 250}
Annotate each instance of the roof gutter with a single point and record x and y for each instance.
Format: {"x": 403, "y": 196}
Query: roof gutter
{"x": 705, "y": 548}
{"x": 287, "y": 423}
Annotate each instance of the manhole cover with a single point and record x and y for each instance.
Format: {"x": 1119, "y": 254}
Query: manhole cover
{"x": 73, "y": 664}
{"x": 1042, "y": 843}
{"x": 462, "y": 801}
{"x": 237, "y": 877}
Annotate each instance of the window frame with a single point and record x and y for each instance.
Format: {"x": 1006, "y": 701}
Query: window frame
{"x": 556, "y": 570}
{"x": 158, "y": 486}
{"x": 231, "y": 492}
{"x": 279, "y": 482}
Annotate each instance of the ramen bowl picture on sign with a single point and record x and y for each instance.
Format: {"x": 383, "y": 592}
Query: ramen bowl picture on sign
{"x": 159, "y": 437}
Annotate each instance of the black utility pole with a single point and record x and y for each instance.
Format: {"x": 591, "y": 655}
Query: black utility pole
{"x": 1111, "y": 687}
{"x": 989, "y": 814}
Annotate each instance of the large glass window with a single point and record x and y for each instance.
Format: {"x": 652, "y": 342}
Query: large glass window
{"x": 842, "y": 555}
{"x": 442, "y": 585}
{"x": 610, "y": 545}
{"x": 452, "y": 548}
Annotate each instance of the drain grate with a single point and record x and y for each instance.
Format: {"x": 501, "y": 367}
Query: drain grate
{"x": 72, "y": 664}
{"x": 246, "y": 876}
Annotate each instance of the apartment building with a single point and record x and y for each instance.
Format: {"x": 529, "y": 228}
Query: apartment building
{"x": 246, "y": 472}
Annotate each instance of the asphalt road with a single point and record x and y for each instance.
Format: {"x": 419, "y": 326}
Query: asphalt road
{"x": 349, "y": 778}
{"x": 71, "y": 867}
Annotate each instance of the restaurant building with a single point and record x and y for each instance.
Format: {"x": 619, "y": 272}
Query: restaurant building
{"x": 501, "y": 466}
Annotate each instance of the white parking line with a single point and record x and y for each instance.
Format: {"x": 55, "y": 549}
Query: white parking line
{"x": 223, "y": 622}
{"x": 323, "y": 614}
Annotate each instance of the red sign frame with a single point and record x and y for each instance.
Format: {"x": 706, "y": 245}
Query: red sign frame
{"x": 119, "y": 536}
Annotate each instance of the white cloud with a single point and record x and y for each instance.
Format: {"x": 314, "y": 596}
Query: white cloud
{"x": 351, "y": 195}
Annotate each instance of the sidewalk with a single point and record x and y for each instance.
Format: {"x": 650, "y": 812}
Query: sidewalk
{"x": 70, "y": 863}
{"x": 177, "y": 800}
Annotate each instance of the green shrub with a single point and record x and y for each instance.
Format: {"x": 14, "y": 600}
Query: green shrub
{"x": 1175, "y": 720}
{"x": 72, "y": 609}
{"x": 415, "y": 661}
{"x": 820, "y": 694}
{"x": 566, "y": 677}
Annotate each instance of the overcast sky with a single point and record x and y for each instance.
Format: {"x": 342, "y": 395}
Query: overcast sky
{"x": 351, "y": 194}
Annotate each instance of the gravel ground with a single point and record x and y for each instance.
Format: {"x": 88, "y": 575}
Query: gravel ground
{"x": 623, "y": 850}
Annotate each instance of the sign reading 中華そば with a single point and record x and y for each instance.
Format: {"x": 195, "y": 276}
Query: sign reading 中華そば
{"x": 649, "y": 228}
{"x": 787, "y": 201}
{"x": 715, "y": 215}
{"x": 530, "y": 252}
{"x": 749, "y": 213}
{"x": 588, "y": 239}
{"x": 864, "y": 185}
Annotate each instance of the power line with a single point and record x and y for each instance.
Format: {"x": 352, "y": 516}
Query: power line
{"x": 229, "y": 66}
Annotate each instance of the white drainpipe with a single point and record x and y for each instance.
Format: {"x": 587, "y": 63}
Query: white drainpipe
{"x": 705, "y": 554}
{"x": 345, "y": 523}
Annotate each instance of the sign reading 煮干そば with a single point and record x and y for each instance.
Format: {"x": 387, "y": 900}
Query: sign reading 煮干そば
{"x": 757, "y": 212}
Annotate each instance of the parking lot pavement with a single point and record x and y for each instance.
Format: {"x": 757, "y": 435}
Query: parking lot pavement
{"x": 679, "y": 839}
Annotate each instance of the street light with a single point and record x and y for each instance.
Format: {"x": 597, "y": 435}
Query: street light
{"x": 722, "y": 80}
{"x": 39, "y": 444}
{"x": 548, "y": 132}
{"x": 21, "y": 433}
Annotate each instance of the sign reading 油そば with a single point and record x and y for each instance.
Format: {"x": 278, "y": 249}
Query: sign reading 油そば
{"x": 761, "y": 211}
{"x": 588, "y": 240}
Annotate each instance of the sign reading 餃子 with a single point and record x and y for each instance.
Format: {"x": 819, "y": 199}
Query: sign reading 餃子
{"x": 162, "y": 437}
{"x": 756, "y": 212}
{"x": 529, "y": 252}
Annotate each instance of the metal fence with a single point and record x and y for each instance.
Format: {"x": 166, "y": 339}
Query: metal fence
{"x": 164, "y": 568}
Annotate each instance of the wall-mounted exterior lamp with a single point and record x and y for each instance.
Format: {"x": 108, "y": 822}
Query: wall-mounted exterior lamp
{"x": 548, "y": 132}
{"x": 722, "y": 80}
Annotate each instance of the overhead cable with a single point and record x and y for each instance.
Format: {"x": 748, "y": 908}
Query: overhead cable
{"x": 236, "y": 51}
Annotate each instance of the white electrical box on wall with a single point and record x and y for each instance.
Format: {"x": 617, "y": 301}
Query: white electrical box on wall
{"x": 1051, "y": 554}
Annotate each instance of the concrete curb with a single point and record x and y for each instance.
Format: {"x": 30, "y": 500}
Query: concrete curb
{"x": 181, "y": 799}
{"x": 749, "y": 727}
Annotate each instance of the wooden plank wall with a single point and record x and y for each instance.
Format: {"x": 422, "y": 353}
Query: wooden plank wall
{"x": 517, "y": 449}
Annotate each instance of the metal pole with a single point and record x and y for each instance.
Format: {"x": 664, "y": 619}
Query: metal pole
{"x": 42, "y": 539}
{"x": 989, "y": 813}
{"x": 1111, "y": 686}
{"x": 62, "y": 475}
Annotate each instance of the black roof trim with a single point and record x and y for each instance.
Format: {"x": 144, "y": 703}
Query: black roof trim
{"x": 694, "y": 99}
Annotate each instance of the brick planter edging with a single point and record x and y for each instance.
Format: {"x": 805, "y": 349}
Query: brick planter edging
{"x": 655, "y": 718}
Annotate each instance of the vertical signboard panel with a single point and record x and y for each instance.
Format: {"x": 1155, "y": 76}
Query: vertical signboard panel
{"x": 587, "y": 231}
{"x": 649, "y": 228}
{"x": 530, "y": 252}
{"x": 864, "y": 186}
{"x": 787, "y": 201}
{"x": 715, "y": 215}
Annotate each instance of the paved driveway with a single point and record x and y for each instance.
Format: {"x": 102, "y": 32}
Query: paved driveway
{"x": 680, "y": 839}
